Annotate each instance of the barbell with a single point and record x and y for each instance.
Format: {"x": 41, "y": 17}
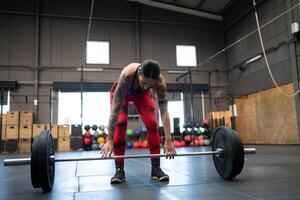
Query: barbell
{"x": 227, "y": 151}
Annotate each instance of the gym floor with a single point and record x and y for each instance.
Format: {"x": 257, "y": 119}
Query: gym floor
{"x": 271, "y": 174}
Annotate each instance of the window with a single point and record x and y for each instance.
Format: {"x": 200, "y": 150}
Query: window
{"x": 96, "y": 108}
{"x": 97, "y": 52}
{"x": 175, "y": 109}
{"x": 186, "y": 56}
{"x": 6, "y": 107}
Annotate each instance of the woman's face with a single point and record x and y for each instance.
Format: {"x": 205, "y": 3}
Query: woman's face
{"x": 146, "y": 83}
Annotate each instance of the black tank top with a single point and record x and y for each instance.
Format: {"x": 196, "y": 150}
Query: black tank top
{"x": 132, "y": 90}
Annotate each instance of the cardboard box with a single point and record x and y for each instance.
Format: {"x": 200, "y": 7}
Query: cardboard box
{"x": 37, "y": 129}
{"x": 63, "y": 131}
{"x": 12, "y": 132}
{"x": 12, "y": 118}
{"x": 53, "y": 129}
{"x": 26, "y": 117}
{"x": 24, "y": 146}
{"x": 64, "y": 144}
{"x": 25, "y": 131}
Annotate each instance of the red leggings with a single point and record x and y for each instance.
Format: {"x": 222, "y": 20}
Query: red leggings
{"x": 145, "y": 104}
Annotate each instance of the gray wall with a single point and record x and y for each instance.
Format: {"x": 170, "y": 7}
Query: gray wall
{"x": 239, "y": 21}
{"x": 62, "y": 31}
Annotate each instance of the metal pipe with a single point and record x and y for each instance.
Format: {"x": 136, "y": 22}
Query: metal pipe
{"x": 27, "y": 161}
{"x": 37, "y": 61}
{"x": 137, "y": 34}
{"x": 180, "y": 9}
{"x": 107, "y": 19}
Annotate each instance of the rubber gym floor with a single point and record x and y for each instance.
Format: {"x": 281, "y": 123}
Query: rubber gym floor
{"x": 271, "y": 174}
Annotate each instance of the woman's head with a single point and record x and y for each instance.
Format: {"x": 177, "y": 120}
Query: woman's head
{"x": 149, "y": 73}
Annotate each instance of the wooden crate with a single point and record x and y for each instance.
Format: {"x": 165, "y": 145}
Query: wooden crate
{"x": 25, "y": 131}
{"x": 63, "y": 131}
{"x": 12, "y": 132}
{"x": 64, "y": 144}
{"x": 12, "y": 118}
{"x": 54, "y": 130}
{"x": 26, "y": 117}
{"x": 37, "y": 129}
{"x": 24, "y": 146}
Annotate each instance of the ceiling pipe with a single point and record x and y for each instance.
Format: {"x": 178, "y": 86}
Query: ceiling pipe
{"x": 179, "y": 9}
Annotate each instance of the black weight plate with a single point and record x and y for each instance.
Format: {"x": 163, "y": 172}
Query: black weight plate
{"x": 34, "y": 168}
{"x": 46, "y": 166}
{"x": 231, "y": 163}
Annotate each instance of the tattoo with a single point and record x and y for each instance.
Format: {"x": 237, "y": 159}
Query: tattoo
{"x": 162, "y": 98}
{"x": 119, "y": 95}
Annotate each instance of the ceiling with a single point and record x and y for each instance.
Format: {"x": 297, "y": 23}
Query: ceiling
{"x": 211, "y": 6}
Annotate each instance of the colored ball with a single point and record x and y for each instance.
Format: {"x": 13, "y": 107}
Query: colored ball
{"x": 100, "y": 140}
{"x": 129, "y": 132}
{"x": 95, "y": 146}
{"x": 136, "y": 145}
{"x": 183, "y": 143}
{"x": 101, "y": 127}
{"x": 206, "y": 142}
{"x": 87, "y": 141}
{"x": 129, "y": 145}
{"x": 94, "y": 127}
{"x": 87, "y": 134}
{"x": 145, "y": 144}
{"x": 87, "y": 127}
{"x": 199, "y": 132}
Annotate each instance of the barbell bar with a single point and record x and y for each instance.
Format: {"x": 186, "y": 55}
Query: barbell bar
{"x": 27, "y": 161}
{"x": 227, "y": 151}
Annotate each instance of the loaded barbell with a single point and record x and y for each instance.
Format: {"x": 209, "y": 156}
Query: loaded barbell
{"x": 227, "y": 151}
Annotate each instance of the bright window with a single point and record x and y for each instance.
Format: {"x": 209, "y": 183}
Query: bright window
{"x": 175, "y": 109}
{"x": 6, "y": 107}
{"x": 186, "y": 56}
{"x": 96, "y": 108}
{"x": 97, "y": 52}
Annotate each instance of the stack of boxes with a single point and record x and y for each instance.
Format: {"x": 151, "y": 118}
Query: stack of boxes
{"x": 25, "y": 132}
{"x": 18, "y": 132}
{"x": 63, "y": 138}
{"x": 12, "y": 131}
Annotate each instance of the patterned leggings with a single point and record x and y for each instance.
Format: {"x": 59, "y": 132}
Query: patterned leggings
{"x": 145, "y": 104}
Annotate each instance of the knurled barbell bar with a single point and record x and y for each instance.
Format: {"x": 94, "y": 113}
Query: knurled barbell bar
{"x": 227, "y": 151}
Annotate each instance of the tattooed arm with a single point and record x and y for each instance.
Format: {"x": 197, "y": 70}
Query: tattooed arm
{"x": 163, "y": 107}
{"x": 165, "y": 118}
{"x": 119, "y": 95}
{"x": 118, "y": 100}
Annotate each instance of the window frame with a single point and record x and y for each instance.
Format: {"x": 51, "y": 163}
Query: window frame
{"x": 109, "y": 52}
{"x": 176, "y": 59}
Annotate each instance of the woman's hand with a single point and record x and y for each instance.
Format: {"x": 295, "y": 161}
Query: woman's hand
{"x": 107, "y": 149}
{"x": 169, "y": 149}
